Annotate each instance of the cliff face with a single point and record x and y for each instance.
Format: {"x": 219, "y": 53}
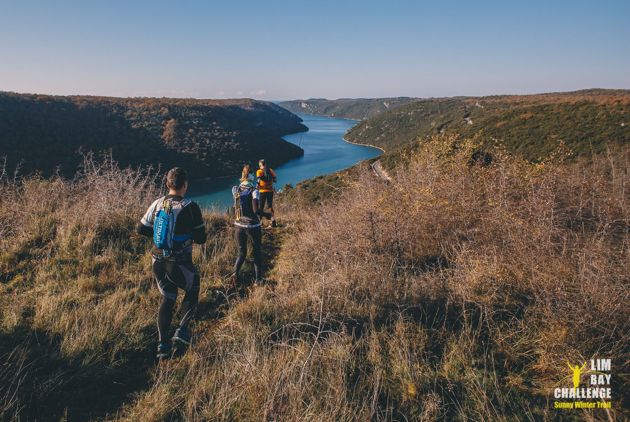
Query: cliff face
{"x": 47, "y": 134}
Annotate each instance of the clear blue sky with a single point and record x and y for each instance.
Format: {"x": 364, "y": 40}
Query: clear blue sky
{"x": 299, "y": 49}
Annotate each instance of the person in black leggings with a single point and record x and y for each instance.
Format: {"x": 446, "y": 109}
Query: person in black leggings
{"x": 247, "y": 225}
{"x": 174, "y": 269}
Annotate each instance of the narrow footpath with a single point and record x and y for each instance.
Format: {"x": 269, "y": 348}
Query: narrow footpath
{"x": 380, "y": 172}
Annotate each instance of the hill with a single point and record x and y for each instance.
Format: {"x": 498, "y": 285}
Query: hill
{"x": 530, "y": 125}
{"x": 349, "y": 108}
{"x": 44, "y": 134}
{"x": 454, "y": 292}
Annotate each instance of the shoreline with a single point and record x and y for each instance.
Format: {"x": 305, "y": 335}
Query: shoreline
{"x": 227, "y": 176}
{"x": 364, "y": 145}
{"x": 220, "y": 180}
{"x": 344, "y": 136}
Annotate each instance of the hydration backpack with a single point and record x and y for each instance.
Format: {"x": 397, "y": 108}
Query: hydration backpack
{"x": 243, "y": 208}
{"x": 164, "y": 226}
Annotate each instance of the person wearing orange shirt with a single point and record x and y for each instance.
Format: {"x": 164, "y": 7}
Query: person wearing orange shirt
{"x": 266, "y": 178}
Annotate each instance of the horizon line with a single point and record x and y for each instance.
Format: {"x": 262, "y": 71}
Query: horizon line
{"x": 312, "y": 98}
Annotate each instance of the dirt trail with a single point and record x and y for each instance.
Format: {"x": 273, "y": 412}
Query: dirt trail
{"x": 216, "y": 301}
{"x": 380, "y": 172}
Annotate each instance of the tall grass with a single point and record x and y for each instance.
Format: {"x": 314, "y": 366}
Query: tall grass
{"x": 511, "y": 270}
{"x": 77, "y": 301}
{"x": 455, "y": 292}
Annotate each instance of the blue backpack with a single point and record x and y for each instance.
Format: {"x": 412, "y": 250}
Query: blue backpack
{"x": 164, "y": 226}
{"x": 243, "y": 209}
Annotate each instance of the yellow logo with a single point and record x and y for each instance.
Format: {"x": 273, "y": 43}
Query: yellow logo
{"x": 594, "y": 393}
{"x": 577, "y": 373}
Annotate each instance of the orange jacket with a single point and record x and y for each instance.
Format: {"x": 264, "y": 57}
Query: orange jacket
{"x": 265, "y": 184}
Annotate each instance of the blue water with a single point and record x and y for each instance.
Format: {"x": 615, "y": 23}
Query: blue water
{"x": 325, "y": 152}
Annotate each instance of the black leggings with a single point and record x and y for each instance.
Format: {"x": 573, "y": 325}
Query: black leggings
{"x": 241, "y": 235}
{"x": 266, "y": 198}
{"x": 170, "y": 276}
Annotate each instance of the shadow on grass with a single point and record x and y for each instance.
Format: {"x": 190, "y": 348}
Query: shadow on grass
{"x": 38, "y": 383}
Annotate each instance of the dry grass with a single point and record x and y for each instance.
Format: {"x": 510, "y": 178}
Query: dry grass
{"x": 512, "y": 270}
{"x": 456, "y": 292}
{"x": 77, "y": 301}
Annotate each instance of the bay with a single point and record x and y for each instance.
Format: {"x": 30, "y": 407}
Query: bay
{"x": 325, "y": 152}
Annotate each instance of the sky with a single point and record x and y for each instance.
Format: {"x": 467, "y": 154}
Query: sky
{"x": 277, "y": 50}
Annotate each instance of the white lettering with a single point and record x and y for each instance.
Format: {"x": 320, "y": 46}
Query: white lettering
{"x": 600, "y": 379}
{"x": 582, "y": 393}
{"x": 601, "y": 364}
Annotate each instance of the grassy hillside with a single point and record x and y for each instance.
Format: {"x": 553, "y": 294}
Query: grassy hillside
{"x": 209, "y": 137}
{"x": 320, "y": 189}
{"x": 530, "y": 125}
{"x": 456, "y": 292}
{"x": 350, "y": 108}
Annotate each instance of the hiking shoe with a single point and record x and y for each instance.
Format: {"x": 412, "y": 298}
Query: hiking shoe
{"x": 182, "y": 335}
{"x": 273, "y": 223}
{"x": 163, "y": 351}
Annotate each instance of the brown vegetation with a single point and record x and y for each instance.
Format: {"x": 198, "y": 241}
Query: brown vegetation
{"x": 455, "y": 292}
{"x": 48, "y": 134}
{"x": 530, "y": 126}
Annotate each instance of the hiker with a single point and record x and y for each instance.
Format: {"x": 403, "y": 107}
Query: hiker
{"x": 247, "y": 224}
{"x": 266, "y": 178}
{"x": 175, "y": 223}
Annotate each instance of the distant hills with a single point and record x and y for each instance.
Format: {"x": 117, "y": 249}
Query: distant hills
{"x": 350, "y": 108}
{"x": 47, "y": 134}
{"x": 530, "y": 125}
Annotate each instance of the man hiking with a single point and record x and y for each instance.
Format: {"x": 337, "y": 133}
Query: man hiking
{"x": 175, "y": 223}
{"x": 247, "y": 225}
{"x": 266, "y": 177}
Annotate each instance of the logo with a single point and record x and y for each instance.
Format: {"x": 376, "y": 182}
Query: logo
{"x": 591, "y": 386}
{"x": 577, "y": 373}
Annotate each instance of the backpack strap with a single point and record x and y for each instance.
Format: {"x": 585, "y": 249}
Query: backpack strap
{"x": 236, "y": 195}
{"x": 159, "y": 204}
{"x": 184, "y": 240}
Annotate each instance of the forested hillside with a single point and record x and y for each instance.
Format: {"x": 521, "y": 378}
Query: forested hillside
{"x": 47, "y": 134}
{"x": 530, "y": 125}
{"x": 349, "y": 108}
